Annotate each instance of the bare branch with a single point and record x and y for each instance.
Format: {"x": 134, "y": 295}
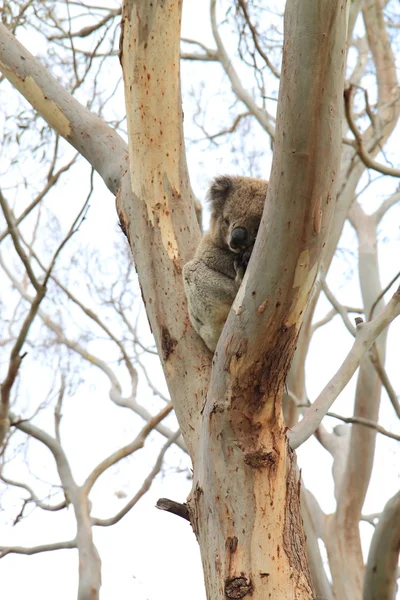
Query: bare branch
{"x": 97, "y": 142}
{"x": 176, "y": 508}
{"x": 57, "y": 410}
{"x": 208, "y": 54}
{"x": 230, "y": 129}
{"x": 15, "y": 362}
{"x": 261, "y": 115}
{"x": 33, "y": 496}
{"x": 86, "y": 31}
{"x": 339, "y": 308}
{"x": 52, "y": 180}
{"x": 380, "y": 369}
{"x": 386, "y": 205}
{"x": 332, "y": 313}
{"x": 381, "y": 294}
{"x": 381, "y": 570}
{"x": 144, "y": 488}
{"x": 254, "y": 35}
{"x": 118, "y": 455}
{"x": 4, "y": 550}
{"x": 9, "y": 217}
{"x": 366, "y": 423}
{"x": 367, "y": 159}
{"x": 365, "y": 336}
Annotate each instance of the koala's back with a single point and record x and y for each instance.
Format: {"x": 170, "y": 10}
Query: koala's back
{"x": 210, "y": 286}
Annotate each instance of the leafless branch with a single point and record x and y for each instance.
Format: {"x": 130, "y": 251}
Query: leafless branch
{"x": 176, "y": 508}
{"x": 121, "y": 453}
{"x": 4, "y": 550}
{"x": 331, "y": 314}
{"x": 144, "y": 488}
{"x": 341, "y": 310}
{"x": 52, "y": 180}
{"x": 12, "y": 228}
{"x": 230, "y": 129}
{"x": 380, "y": 369}
{"x": 209, "y": 54}
{"x": 381, "y": 570}
{"x": 86, "y": 31}
{"x": 365, "y": 336}
{"x": 33, "y": 496}
{"x": 366, "y": 423}
{"x": 366, "y": 158}
{"x": 254, "y": 35}
{"x": 386, "y": 205}
{"x": 373, "y": 353}
{"x": 261, "y": 115}
{"x": 383, "y": 292}
{"x": 57, "y": 410}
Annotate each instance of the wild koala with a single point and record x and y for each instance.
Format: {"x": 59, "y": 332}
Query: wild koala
{"x": 213, "y": 277}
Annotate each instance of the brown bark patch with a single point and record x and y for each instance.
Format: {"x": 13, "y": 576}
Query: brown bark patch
{"x": 168, "y": 343}
{"x": 294, "y": 540}
{"x": 260, "y": 459}
{"x": 123, "y": 222}
{"x": 232, "y": 543}
{"x": 238, "y": 587}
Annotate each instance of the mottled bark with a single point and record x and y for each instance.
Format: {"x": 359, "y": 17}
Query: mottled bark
{"x": 245, "y": 501}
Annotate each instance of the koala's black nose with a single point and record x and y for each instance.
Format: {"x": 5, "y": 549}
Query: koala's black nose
{"x": 239, "y": 238}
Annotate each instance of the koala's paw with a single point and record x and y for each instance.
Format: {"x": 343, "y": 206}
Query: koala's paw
{"x": 240, "y": 263}
{"x": 246, "y": 257}
{"x": 240, "y": 268}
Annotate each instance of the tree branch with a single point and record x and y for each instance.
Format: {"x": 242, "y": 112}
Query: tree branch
{"x": 367, "y": 159}
{"x": 366, "y": 422}
{"x": 386, "y": 205}
{"x": 144, "y": 488}
{"x": 121, "y": 453}
{"x": 381, "y": 570}
{"x": 176, "y": 508}
{"x": 261, "y": 115}
{"x": 365, "y": 336}
{"x": 4, "y": 550}
{"x": 254, "y": 35}
{"x": 97, "y": 142}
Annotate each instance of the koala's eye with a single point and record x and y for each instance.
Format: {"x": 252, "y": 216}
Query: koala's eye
{"x": 226, "y": 221}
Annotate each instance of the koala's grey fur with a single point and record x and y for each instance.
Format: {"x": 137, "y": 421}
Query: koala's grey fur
{"x": 213, "y": 277}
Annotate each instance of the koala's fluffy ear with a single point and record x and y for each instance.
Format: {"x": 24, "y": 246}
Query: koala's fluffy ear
{"x": 219, "y": 191}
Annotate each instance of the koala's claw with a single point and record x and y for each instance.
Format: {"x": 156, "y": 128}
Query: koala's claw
{"x": 240, "y": 263}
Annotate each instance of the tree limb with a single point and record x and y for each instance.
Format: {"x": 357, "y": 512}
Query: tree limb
{"x": 381, "y": 570}
{"x": 4, "y": 550}
{"x": 261, "y": 115}
{"x": 367, "y": 159}
{"x": 365, "y": 336}
{"x": 144, "y": 488}
{"x": 97, "y": 142}
{"x": 125, "y": 451}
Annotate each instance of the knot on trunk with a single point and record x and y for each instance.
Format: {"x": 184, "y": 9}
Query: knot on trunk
{"x": 238, "y": 587}
{"x": 260, "y": 459}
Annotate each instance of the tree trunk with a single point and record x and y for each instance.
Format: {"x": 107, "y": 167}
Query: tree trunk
{"x": 244, "y": 505}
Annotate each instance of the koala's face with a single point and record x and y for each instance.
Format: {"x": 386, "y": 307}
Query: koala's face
{"x": 237, "y": 204}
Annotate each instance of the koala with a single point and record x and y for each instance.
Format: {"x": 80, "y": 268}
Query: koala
{"x": 213, "y": 277}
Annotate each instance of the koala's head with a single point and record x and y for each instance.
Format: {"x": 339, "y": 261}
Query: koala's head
{"x": 237, "y": 204}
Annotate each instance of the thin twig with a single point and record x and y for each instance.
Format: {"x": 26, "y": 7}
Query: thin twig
{"x": 362, "y": 152}
{"x": 118, "y": 455}
{"x": 254, "y": 35}
{"x": 144, "y": 488}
